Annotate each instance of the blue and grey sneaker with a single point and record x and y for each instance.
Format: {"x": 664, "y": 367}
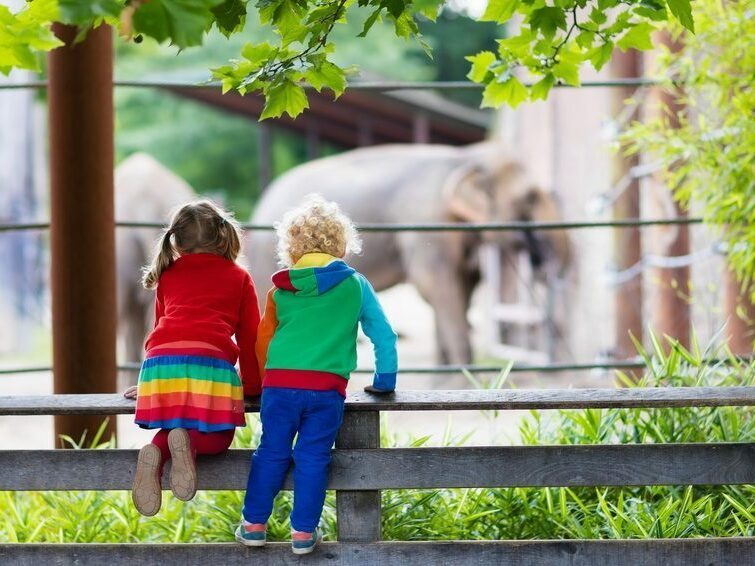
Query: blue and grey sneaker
{"x": 251, "y": 534}
{"x": 304, "y": 543}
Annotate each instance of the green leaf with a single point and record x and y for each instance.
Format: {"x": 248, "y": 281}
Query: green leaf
{"x": 480, "y": 65}
{"x": 395, "y": 7}
{"x": 428, "y": 8}
{"x": 540, "y": 90}
{"x": 258, "y": 54}
{"x": 499, "y": 11}
{"x": 600, "y": 55}
{"x": 370, "y": 21}
{"x": 511, "y": 92}
{"x": 327, "y": 75}
{"x": 682, "y": 10}
{"x": 585, "y": 38}
{"x": 638, "y": 37}
{"x": 81, "y": 13}
{"x": 598, "y": 16}
{"x": 230, "y": 16}
{"x": 548, "y": 19}
{"x": 184, "y": 22}
{"x": 405, "y": 26}
{"x": 567, "y": 71}
{"x": 284, "y": 97}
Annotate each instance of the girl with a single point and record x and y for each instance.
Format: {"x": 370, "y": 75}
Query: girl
{"x": 188, "y": 386}
{"x": 306, "y": 348}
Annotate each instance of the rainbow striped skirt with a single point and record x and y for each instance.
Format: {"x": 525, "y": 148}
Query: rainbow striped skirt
{"x": 189, "y": 391}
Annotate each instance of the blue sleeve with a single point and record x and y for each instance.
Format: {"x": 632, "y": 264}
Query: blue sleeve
{"x": 377, "y": 328}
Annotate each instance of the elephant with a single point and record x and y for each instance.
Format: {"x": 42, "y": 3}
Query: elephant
{"x": 145, "y": 190}
{"x": 421, "y": 183}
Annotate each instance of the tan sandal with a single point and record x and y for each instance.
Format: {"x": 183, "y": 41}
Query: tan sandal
{"x": 146, "y": 493}
{"x": 183, "y": 470}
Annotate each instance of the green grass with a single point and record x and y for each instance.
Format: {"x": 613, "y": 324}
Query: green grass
{"x": 520, "y": 513}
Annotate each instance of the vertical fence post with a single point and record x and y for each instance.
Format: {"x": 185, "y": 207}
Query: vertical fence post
{"x": 82, "y": 224}
{"x": 358, "y": 512}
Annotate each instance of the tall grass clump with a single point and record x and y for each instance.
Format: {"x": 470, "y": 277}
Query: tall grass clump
{"x": 467, "y": 514}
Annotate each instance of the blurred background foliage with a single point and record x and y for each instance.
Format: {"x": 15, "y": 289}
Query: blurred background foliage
{"x": 216, "y": 152}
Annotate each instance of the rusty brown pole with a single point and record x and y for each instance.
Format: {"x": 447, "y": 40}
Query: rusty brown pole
{"x": 82, "y": 226}
{"x": 671, "y": 301}
{"x": 739, "y": 311}
{"x": 627, "y": 242}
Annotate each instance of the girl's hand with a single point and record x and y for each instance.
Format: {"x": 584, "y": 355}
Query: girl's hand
{"x": 130, "y": 393}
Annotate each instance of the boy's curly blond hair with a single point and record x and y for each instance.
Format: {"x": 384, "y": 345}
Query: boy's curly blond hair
{"x": 315, "y": 226}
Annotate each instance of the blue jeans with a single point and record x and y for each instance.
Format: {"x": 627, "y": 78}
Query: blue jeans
{"x": 316, "y": 416}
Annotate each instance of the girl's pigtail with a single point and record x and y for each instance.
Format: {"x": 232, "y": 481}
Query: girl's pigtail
{"x": 230, "y": 241}
{"x": 160, "y": 262}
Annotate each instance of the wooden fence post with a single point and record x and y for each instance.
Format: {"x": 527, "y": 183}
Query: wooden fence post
{"x": 358, "y": 512}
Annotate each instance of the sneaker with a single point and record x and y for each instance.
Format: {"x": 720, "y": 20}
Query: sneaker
{"x": 146, "y": 493}
{"x": 183, "y": 470}
{"x": 251, "y": 534}
{"x": 304, "y": 543}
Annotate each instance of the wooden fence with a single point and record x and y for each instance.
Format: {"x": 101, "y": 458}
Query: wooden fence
{"x": 360, "y": 469}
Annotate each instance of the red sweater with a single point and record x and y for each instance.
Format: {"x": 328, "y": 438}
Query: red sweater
{"x": 208, "y": 298}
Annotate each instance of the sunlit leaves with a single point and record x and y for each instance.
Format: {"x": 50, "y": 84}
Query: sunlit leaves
{"x": 25, "y": 33}
{"x": 284, "y": 96}
{"x": 638, "y": 37}
{"x": 511, "y": 92}
{"x": 553, "y": 42}
{"x": 549, "y": 46}
{"x": 499, "y": 10}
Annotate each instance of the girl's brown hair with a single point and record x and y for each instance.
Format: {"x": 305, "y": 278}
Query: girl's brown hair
{"x": 199, "y": 226}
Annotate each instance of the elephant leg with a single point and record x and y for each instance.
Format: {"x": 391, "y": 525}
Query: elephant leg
{"x": 443, "y": 290}
{"x": 135, "y": 328}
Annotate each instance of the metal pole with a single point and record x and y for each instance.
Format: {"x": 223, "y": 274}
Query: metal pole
{"x": 740, "y": 315}
{"x": 82, "y": 225}
{"x": 671, "y": 309}
{"x": 627, "y": 242}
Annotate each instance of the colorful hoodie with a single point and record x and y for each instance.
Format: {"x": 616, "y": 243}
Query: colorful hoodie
{"x": 308, "y": 334}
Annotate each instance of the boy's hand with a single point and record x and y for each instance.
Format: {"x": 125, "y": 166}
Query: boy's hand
{"x": 130, "y": 393}
{"x": 373, "y": 389}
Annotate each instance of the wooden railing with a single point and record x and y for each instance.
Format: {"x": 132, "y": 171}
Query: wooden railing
{"x": 360, "y": 469}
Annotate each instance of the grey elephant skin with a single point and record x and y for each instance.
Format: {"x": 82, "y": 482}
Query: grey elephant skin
{"x": 145, "y": 190}
{"x": 421, "y": 184}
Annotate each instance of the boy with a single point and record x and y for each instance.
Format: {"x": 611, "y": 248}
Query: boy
{"x": 306, "y": 347}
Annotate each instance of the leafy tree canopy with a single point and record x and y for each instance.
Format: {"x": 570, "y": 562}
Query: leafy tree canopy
{"x": 554, "y": 39}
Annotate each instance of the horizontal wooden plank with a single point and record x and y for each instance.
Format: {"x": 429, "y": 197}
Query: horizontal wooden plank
{"x": 421, "y": 468}
{"x": 649, "y": 552}
{"x": 446, "y": 400}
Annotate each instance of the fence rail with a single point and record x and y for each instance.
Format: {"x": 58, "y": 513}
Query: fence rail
{"x": 360, "y": 469}
{"x": 426, "y": 227}
{"x": 380, "y": 86}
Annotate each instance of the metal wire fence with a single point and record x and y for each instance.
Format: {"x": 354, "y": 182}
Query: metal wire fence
{"x": 607, "y": 365}
{"x": 428, "y": 227}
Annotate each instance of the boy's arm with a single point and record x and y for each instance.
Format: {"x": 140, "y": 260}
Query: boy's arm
{"x": 266, "y": 330}
{"x": 377, "y": 328}
{"x": 246, "y": 338}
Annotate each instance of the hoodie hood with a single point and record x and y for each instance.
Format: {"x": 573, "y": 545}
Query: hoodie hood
{"x": 312, "y": 281}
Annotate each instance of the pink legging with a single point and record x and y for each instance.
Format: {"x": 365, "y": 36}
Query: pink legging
{"x": 201, "y": 442}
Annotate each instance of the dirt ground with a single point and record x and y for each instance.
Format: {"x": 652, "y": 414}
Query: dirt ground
{"x": 413, "y": 321}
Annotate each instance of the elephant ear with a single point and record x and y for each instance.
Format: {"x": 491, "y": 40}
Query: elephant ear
{"x": 467, "y": 193}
